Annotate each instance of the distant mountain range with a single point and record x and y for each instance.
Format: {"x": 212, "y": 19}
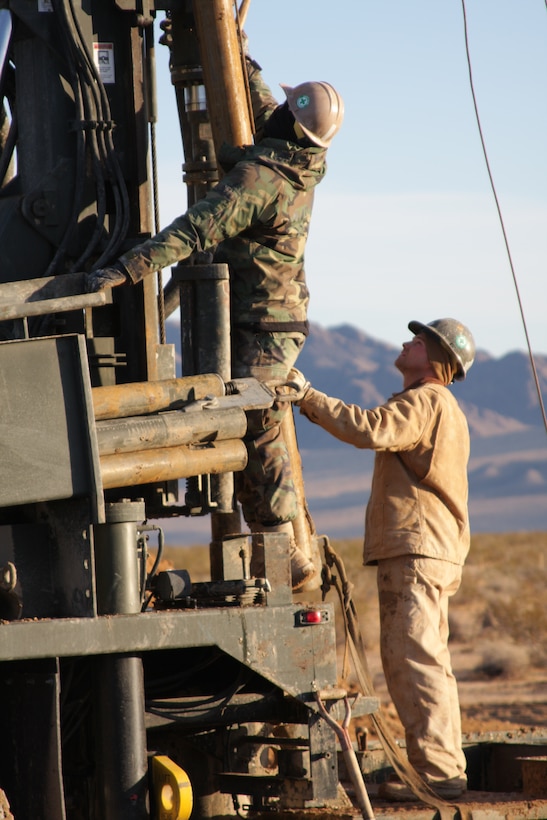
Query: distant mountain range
{"x": 508, "y": 466}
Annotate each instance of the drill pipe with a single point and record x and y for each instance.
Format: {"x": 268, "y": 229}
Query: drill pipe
{"x": 222, "y": 64}
{"x": 167, "y": 463}
{"x": 171, "y": 429}
{"x": 140, "y": 398}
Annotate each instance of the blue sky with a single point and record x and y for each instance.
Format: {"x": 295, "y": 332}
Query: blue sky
{"x": 405, "y": 224}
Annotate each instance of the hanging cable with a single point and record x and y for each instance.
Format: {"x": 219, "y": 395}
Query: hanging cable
{"x": 509, "y": 256}
{"x": 114, "y": 173}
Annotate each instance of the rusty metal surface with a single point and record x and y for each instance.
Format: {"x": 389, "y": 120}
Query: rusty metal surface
{"x": 263, "y": 638}
{"x": 223, "y": 72}
{"x": 166, "y": 463}
{"x": 534, "y": 775}
{"x": 141, "y": 398}
{"x": 170, "y": 429}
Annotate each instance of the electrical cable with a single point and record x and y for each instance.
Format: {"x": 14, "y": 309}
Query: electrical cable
{"x": 502, "y": 223}
{"x": 93, "y": 127}
{"x": 106, "y": 143}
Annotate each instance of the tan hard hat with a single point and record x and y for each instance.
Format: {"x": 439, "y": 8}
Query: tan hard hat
{"x": 318, "y": 108}
{"x": 456, "y": 338}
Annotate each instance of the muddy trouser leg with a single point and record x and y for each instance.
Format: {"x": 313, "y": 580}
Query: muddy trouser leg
{"x": 265, "y": 488}
{"x": 413, "y": 594}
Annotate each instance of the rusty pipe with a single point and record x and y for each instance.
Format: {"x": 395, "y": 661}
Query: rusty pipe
{"x": 171, "y": 429}
{"x": 168, "y": 463}
{"x": 227, "y": 100}
{"x": 140, "y": 398}
{"x": 302, "y": 524}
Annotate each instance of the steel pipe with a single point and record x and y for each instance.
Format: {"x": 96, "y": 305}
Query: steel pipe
{"x": 141, "y": 398}
{"x": 169, "y": 430}
{"x": 303, "y": 527}
{"x": 205, "y": 345}
{"x": 116, "y": 558}
{"x": 121, "y": 737}
{"x": 223, "y": 76}
{"x": 151, "y": 466}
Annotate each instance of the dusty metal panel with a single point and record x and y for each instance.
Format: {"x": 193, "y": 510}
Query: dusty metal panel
{"x": 48, "y": 447}
{"x": 299, "y": 659}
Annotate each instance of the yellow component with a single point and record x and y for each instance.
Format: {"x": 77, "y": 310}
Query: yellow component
{"x": 172, "y": 788}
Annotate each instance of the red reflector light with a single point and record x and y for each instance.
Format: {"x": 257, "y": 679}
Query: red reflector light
{"x": 312, "y": 616}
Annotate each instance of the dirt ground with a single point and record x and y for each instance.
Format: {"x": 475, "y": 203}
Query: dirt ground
{"x": 488, "y": 704}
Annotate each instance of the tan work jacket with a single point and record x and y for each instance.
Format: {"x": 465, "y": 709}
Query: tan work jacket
{"x": 418, "y": 498}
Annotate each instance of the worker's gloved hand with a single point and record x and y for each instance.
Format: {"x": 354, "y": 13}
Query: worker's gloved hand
{"x": 200, "y": 258}
{"x": 294, "y": 389}
{"x": 104, "y": 278}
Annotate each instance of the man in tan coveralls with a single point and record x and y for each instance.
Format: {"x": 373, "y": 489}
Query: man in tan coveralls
{"x": 417, "y": 532}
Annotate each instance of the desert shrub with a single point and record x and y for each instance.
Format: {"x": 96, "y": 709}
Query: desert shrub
{"x": 502, "y": 590}
{"x": 465, "y": 623}
{"x": 503, "y": 659}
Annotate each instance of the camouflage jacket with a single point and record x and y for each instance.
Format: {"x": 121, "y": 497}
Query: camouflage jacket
{"x": 256, "y": 219}
{"x": 418, "y": 498}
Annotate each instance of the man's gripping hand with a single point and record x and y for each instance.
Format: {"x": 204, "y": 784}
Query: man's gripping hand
{"x": 104, "y": 278}
{"x": 295, "y": 388}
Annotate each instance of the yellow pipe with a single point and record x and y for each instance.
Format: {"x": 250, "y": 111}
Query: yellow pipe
{"x": 167, "y": 463}
{"x": 227, "y": 101}
{"x": 303, "y": 528}
{"x": 140, "y": 398}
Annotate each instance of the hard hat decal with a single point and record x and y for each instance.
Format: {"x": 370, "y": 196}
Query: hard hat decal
{"x": 303, "y": 101}
{"x": 460, "y": 341}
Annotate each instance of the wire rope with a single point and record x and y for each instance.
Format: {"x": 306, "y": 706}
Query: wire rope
{"x": 502, "y": 222}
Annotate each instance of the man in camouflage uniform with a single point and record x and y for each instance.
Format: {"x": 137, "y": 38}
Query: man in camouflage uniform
{"x": 256, "y": 219}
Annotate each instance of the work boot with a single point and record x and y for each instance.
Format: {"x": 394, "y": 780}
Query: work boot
{"x": 396, "y": 791}
{"x": 302, "y": 568}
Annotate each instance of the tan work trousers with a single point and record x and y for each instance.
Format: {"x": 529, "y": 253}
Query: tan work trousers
{"x": 413, "y": 596}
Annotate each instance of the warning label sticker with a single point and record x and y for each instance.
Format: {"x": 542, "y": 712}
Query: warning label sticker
{"x": 103, "y": 54}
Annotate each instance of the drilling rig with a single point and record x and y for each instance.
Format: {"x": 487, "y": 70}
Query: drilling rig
{"x": 130, "y": 692}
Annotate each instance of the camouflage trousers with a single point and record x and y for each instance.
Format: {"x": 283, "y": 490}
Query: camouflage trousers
{"x": 265, "y": 488}
{"x": 413, "y": 594}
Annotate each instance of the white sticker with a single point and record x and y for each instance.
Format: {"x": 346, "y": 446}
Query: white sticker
{"x": 103, "y": 54}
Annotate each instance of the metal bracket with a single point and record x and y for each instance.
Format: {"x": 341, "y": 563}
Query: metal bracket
{"x": 246, "y": 394}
